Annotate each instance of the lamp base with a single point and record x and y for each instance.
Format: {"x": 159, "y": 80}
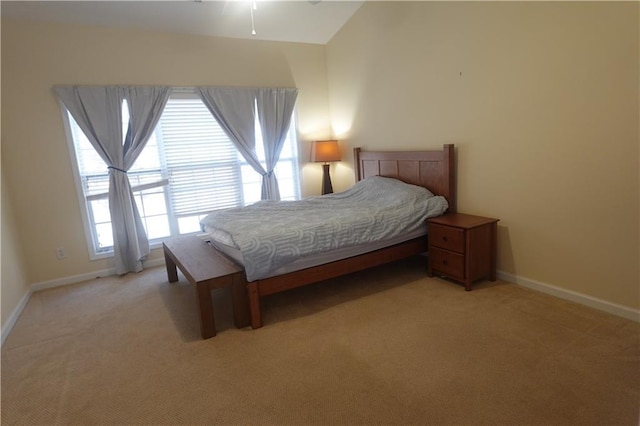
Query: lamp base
{"x": 326, "y": 180}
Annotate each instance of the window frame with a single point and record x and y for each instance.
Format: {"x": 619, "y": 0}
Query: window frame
{"x": 89, "y": 231}
{"x": 89, "y": 227}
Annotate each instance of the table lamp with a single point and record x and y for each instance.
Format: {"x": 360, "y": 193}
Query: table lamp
{"x": 325, "y": 152}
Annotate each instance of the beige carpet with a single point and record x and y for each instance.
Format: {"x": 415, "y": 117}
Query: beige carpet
{"x": 386, "y": 346}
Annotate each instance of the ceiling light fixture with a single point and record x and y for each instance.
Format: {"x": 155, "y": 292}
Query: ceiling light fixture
{"x": 253, "y": 6}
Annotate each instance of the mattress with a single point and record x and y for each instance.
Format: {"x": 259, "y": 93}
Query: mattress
{"x": 318, "y": 258}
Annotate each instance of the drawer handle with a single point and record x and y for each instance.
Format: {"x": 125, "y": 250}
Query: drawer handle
{"x": 444, "y": 239}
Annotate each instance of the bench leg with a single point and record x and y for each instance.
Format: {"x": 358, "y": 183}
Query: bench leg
{"x": 205, "y": 309}
{"x": 254, "y": 305}
{"x": 240, "y": 301}
{"x": 172, "y": 270}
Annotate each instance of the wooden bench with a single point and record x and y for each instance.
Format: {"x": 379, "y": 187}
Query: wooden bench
{"x": 207, "y": 269}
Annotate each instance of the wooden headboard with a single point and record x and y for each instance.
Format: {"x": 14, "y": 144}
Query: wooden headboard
{"x": 435, "y": 170}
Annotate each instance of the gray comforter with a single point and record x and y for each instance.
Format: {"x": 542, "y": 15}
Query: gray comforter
{"x": 270, "y": 234}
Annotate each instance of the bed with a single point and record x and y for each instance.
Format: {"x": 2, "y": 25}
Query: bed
{"x": 388, "y": 172}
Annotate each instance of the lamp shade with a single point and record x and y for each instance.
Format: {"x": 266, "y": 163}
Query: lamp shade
{"x": 325, "y": 151}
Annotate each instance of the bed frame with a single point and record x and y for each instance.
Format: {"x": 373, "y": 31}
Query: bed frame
{"x": 434, "y": 170}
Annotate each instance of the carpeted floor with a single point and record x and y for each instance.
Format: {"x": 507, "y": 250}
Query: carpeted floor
{"x": 385, "y": 346}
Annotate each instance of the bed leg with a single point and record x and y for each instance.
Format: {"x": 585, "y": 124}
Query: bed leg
{"x": 240, "y": 301}
{"x": 254, "y": 305}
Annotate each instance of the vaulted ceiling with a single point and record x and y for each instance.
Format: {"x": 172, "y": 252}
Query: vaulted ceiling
{"x": 303, "y": 21}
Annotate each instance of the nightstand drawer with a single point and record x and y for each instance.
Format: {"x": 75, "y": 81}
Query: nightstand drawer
{"x": 446, "y": 237}
{"x": 448, "y": 263}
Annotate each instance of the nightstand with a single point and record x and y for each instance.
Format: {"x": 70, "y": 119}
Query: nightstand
{"x": 462, "y": 247}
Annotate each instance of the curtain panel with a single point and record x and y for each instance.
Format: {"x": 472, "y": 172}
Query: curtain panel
{"x": 235, "y": 108}
{"x": 275, "y": 109}
{"x": 98, "y": 112}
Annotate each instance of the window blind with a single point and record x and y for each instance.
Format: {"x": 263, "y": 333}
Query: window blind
{"x": 201, "y": 161}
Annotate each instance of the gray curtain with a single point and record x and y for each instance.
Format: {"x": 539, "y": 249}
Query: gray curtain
{"x": 234, "y": 109}
{"x": 98, "y": 112}
{"x": 275, "y": 109}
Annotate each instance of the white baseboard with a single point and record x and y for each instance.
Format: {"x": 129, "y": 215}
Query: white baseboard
{"x": 13, "y": 318}
{"x": 583, "y": 299}
{"x": 74, "y": 279}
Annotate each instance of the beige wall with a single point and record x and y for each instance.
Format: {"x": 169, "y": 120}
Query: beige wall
{"x": 541, "y": 100}
{"x": 36, "y": 56}
{"x": 13, "y": 277}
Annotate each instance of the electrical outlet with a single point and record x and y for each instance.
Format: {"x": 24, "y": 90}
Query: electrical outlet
{"x": 60, "y": 253}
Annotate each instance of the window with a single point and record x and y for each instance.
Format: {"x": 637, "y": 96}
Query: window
{"x": 188, "y": 168}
